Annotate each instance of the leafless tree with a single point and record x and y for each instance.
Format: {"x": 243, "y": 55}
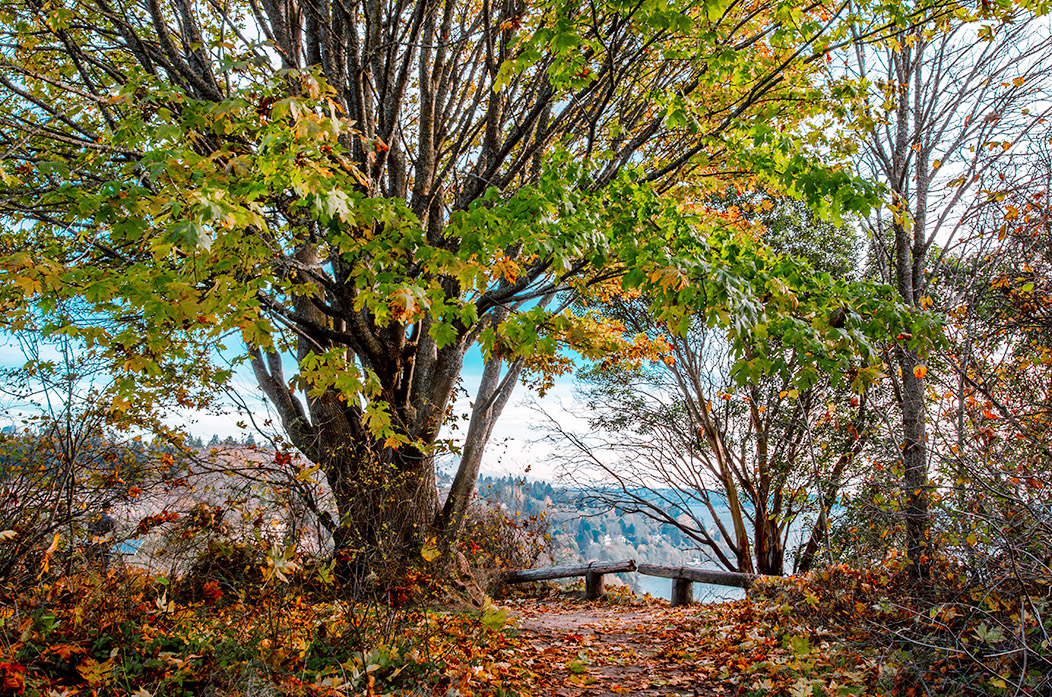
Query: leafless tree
{"x": 741, "y": 471}
{"x": 940, "y": 106}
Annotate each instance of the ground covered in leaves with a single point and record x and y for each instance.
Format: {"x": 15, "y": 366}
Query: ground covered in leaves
{"x": 126, "y": 633}
{"x": 626, "y": 645}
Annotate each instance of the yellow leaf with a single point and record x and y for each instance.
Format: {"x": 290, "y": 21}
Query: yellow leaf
{"x": 95, "y": 673}
{"x": 935, "y": 164}
{"x": 430, "y": 551}
{"x": 29, "y": 286}
{"x": 1018, "y": 81}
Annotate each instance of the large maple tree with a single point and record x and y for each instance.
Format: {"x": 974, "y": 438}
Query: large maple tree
{"x": 360, "y": 191}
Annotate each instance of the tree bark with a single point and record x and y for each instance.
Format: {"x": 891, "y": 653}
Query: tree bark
{"x": 492, "y": 397}
{"x": 387, "y": 506}
{"x": 915, "y": 466}
{"x": 770, "y": 552}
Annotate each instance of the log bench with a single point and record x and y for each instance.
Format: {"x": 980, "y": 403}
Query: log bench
{"x": 683, "y": 578}
{"x": 592, "y": 571}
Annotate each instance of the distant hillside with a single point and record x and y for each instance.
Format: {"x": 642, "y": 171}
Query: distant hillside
{"x": 581, "y": 532}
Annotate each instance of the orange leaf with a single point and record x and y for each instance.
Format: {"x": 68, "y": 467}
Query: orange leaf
{"x": 211, "y": 592}
{"x": 65, "y": 650}
{"x": 920, "y": 371}
{"x": 45, "y": 563}
{"x": 54, "y": 544}
{"x": 13, "y": 675}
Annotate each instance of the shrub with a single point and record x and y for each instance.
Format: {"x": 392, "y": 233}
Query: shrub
{"x": 496, "y": 540}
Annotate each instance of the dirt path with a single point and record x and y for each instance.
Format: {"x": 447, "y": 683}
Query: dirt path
{"x": 600, "y": 649}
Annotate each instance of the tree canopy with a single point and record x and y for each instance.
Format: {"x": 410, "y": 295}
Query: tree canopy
{"x": 356, "y": 193}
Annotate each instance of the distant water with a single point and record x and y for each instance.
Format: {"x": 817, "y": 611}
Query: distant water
{"x": 703, "y": 592}
{"x": 129, "y": 547}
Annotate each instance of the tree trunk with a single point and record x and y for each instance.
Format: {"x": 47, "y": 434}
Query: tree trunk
{"x": 915, "y": 466}
{"x": 741, "y": 535}
{"x": 770, "y": 553}
{"x": 386, "y": 505}
{"x": 914, "y": 437}
{"x": 493, "y": 393}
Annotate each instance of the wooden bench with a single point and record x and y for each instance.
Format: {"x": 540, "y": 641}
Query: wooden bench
{"x": 592, "y": 571}
{"x": 683, "y": 578}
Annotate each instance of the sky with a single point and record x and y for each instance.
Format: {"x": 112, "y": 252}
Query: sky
{"x": 514, "y": 449}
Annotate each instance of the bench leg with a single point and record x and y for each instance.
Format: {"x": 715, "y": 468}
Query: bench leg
{"x": 682, "y": 592}
{"x": 593, "y": 585}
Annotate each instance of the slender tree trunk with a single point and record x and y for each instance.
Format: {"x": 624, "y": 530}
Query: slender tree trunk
{"x": 915, "y": 465}
{"x": 491, "y": 399}
{"x": 914, "y": 427}
{"x": 741, "y": 546}
{"x": 769, "y": 551}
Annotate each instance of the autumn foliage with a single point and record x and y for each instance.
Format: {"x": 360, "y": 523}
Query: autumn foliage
{"x": 123, "y": 633}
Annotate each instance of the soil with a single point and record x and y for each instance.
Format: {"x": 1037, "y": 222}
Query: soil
{"x": 603, "y": 648}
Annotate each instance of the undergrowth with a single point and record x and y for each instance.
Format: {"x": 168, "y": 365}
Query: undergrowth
{"x": 124, "y": 632}
{"x": 948, "y": 635}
